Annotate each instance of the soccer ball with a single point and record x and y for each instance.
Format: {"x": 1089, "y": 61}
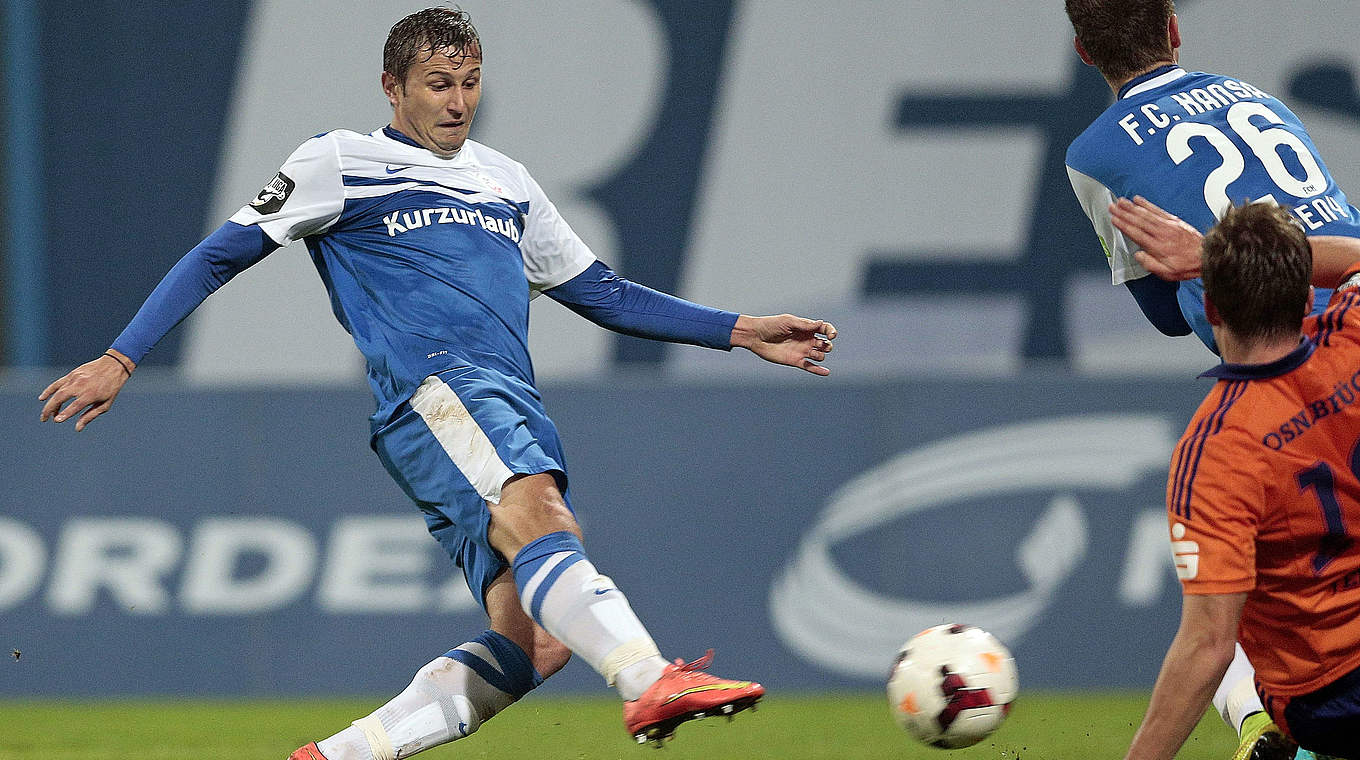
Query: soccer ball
{"x": 952, "y": 685}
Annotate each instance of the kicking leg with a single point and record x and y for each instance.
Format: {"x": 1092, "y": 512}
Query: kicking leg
{"x": 564, "y": 593}
{"x": 456, "y": 693}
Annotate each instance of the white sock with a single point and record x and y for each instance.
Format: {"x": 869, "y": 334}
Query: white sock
{"x": 1236, "y": 696}
{"x": 447, "y": 700}
{"x": 585, "y": 610}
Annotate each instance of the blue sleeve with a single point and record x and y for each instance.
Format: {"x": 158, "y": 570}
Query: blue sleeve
{"x": 608, "y": 300}
{"x": 1157, "y": 298}
{"x": 227, "y": 252}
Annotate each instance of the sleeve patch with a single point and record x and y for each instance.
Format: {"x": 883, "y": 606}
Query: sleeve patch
{"x": 1185, "y": 553}
{"x": 274, "y": 195}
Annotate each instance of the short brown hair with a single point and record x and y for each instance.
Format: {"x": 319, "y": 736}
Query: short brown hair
{"x": 1123, "y": 37}
{"x": 1256, "y": 269}
{"x": 425, "y": 33}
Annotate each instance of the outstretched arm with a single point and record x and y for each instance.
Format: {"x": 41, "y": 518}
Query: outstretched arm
{"x": 1333, "y": 256}
{"x": 1195, "y": 663}
{"x": 1170, "y": 248}
{"x": 614, "y": 302}
{"x": 90, "y": 389}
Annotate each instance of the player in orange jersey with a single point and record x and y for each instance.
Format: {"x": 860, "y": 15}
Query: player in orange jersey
{"x": 1264, "y": 489}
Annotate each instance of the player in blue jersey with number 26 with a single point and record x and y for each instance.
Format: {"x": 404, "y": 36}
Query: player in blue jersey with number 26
{"x": 1193, "y": 144}
{"x": 431, "y": 245}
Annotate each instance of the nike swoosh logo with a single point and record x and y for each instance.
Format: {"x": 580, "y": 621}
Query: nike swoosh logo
{"x": 726, "y": 686}
{"x": 602, "y": 591}
{"x": 390, "y": 170}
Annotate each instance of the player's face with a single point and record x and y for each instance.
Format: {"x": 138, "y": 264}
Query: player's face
{"x": 435, "y": 105}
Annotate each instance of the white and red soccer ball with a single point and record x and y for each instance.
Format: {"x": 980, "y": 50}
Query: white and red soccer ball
{"x": 952, "y": 685}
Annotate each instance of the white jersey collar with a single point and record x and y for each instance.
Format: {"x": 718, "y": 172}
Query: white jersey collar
{"x": 1151, "y": 81}
{"x": 398, "y": 138}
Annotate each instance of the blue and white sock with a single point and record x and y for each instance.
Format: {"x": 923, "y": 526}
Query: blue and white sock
{"x": 561, "y": 590}
{"x": 448, "y": 699}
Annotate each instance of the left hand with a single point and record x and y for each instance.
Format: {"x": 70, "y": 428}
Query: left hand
{"x": 786, "y": 339}
{"x": 1170, "y": 247}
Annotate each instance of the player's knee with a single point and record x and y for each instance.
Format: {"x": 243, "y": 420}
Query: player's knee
{"x": 549, "y": 513}
{"x": 523, "y": 516}
{"x": 434, "y": 670}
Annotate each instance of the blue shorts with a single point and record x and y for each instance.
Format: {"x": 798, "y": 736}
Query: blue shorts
{"x": 451, "y": 447}
{"x": 1326, "y": 721}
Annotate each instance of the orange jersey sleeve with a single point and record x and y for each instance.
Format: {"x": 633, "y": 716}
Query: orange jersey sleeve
{"x": 1214, "y": 497}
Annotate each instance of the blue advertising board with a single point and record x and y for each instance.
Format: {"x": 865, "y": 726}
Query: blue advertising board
{"x": 246, "y": 542}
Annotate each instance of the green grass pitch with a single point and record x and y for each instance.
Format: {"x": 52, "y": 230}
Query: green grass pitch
{"x": 839, "y": 726}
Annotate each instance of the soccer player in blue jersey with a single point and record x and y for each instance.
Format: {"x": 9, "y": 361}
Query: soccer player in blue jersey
{"x": 1193, "y": 144}
{"x": 431, "y": 246}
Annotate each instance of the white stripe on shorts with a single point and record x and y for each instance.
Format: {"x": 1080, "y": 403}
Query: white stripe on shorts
{"x": 464, "y": 442}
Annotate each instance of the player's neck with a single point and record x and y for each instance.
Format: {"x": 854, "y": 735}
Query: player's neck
{"x": 405, "y": 133}
{"x": 1235, "y": 351}
{"x": 1118, "y": 84}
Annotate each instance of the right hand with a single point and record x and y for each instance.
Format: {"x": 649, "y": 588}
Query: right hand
{"x": 1170, "y": 247}
{"x": 786, "y": 339}
{"x": 90, "y": 389}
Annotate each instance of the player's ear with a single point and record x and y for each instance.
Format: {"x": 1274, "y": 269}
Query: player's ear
{"x": 1308, "y": 304}
{"x": 390, "y": 86}
{"x": 1081, "y": 51}
{"x": 1211, "y": 312}
{"x": 1173, "y": 32}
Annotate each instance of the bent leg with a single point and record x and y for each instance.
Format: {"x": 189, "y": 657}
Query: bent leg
{"x": 449, "y": 698}
{"x": 547, "y": 654}
{"x": 454, "y": 694}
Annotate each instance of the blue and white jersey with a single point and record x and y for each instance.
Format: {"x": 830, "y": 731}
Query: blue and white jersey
{"x": 430, "y": 262}
{"x": 1194, "y": 144}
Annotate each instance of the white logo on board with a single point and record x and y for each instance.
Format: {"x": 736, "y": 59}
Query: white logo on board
{"x": 359, "y": 564}
{"x": 828, "y": 618}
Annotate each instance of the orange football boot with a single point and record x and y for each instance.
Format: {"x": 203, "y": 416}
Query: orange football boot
{"x": 685, "y": 692}
{"x": 307, "y": 752}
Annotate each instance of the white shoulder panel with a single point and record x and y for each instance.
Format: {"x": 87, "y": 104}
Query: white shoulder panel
{"x": 552, "y": 251}
{"x": 1095, "y": 199}
{"x": 305, "y": 197}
